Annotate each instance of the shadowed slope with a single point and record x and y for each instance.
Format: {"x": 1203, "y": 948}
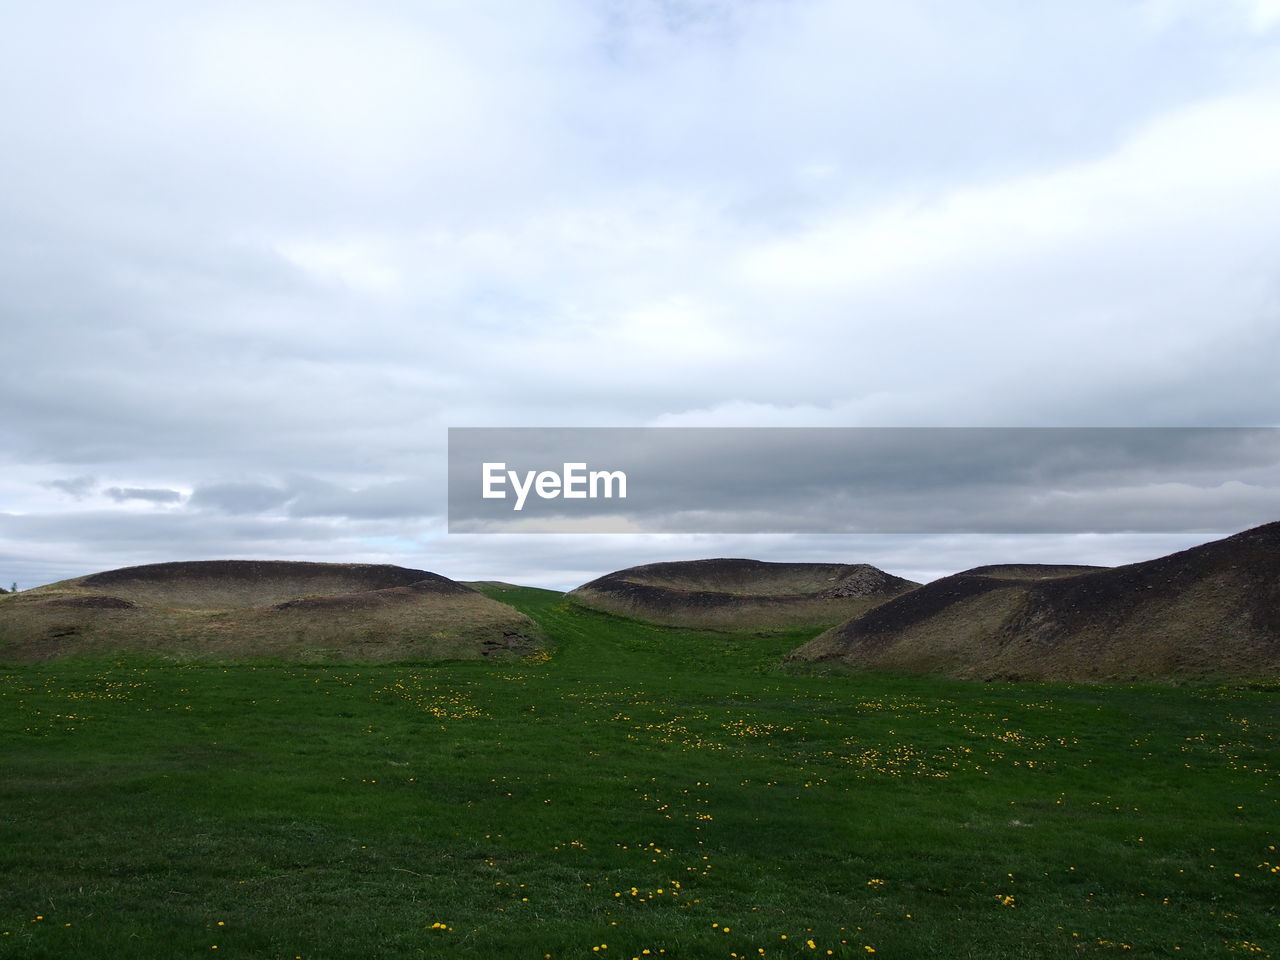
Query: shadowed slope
{"x": 235, "y": 608}
{"x": 1212, "y": 610}
{"x": 741, "y": 594}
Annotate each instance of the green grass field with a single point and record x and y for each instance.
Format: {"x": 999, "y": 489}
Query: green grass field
{"x": 645, "y": 792}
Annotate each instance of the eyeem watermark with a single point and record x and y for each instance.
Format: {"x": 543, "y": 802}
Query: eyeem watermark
{"x": 573, "y": 482}
{"x": 932, "y": 480}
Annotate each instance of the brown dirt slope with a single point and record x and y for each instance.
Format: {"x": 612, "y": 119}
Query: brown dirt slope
{"x": 731, "y": 594}
{"x": 230, "y": 609}
{"x": 1210, "y": 611}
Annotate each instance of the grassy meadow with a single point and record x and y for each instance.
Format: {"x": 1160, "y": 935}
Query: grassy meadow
{"x": 643, "y": 792}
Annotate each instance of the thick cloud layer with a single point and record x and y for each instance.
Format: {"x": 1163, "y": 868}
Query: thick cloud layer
{"x": 255, "y": 258}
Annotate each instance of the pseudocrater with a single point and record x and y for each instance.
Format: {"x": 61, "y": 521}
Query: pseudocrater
{"x": 730, "y": 594}
{"x": 229, "y": 609}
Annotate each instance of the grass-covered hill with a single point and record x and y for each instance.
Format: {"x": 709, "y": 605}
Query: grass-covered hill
{"x": 230, "y": 609}
{"x": 1210, "y": 611}
{"x": 733, "y": 594}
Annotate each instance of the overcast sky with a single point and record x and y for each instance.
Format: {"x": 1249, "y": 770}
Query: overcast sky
{"x": 256, "y": 257}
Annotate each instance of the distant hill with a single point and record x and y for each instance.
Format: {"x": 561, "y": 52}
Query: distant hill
{"x": 1210, "y": 611}
{"x": 733, "y": 594}
{"x": 223, "y": 609}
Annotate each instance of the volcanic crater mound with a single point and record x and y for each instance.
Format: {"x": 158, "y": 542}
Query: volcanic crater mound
{"x": 234, "y": 608}
{"x": 1212, "y": 610}
{"x": 735, "y": 594}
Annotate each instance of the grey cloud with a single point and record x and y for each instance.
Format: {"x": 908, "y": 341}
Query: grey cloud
{"x": 304, "y": 497}
{"x": 78, "y": 487}
{"x": 238, "y": 498}
{"x": 408, "y": 499}
{"x": 149, "y": 494}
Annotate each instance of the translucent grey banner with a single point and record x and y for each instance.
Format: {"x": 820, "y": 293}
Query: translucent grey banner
{"x": 862, "y": 480}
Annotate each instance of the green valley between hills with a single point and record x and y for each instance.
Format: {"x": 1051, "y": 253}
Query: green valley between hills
{"x": 643, "y": 792}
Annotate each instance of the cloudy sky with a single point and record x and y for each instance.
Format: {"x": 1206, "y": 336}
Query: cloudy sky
{"x": 256, "y": 258}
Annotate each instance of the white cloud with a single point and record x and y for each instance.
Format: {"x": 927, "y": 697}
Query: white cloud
{"x": 1205, "y": 169}
{"x": 357, "y": 263}
{"x": 1257, "y": 16}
